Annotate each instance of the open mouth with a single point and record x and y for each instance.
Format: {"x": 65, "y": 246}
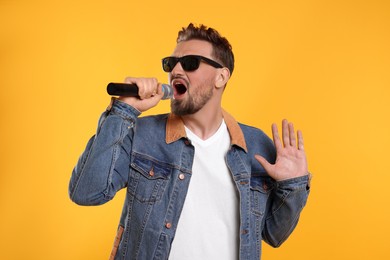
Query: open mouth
{"x": 180, "y": 87}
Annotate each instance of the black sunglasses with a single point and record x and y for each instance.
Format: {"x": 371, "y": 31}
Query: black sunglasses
{"x": 188, "y": 62}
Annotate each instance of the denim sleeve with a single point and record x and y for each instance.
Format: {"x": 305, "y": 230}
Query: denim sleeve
{"x": 103, "y": 167}
{"x": 287, "y": 202}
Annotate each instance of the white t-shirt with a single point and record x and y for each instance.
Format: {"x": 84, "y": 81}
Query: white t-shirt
{"x": 209, "y": 223}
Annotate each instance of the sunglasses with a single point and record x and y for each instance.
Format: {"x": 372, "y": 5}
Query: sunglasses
{"x": 188, "y": 62}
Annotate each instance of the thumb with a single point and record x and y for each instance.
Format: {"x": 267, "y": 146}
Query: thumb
{"x": 266, "y": 165}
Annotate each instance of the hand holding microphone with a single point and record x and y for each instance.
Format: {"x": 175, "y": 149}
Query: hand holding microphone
{"x": 141, "y": 93}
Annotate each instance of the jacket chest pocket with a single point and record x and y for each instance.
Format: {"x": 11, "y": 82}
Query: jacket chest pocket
{"x": 148, "y": 179}
{"x": 261, "y": 188}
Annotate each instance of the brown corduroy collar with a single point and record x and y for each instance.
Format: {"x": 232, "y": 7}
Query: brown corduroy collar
{"x": 175, "y": 130}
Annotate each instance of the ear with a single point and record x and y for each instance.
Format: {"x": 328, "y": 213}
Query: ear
{"x": 222, "y": 78}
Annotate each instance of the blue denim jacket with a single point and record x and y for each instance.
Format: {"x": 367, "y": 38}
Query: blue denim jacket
{"x": 152, "y": 157}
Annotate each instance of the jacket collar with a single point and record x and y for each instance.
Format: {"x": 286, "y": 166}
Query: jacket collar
{"x": 175, "y": 130}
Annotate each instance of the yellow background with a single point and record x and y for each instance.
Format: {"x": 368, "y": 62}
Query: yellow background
{"x": 322, "y": 64}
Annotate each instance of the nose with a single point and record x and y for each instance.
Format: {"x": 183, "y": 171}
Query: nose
{"x": 177, "y": 70}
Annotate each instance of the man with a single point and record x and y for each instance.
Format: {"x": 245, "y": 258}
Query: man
{"x": 199, "y": 184}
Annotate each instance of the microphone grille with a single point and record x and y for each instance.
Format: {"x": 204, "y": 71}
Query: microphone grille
{"x": 167, "y": 90}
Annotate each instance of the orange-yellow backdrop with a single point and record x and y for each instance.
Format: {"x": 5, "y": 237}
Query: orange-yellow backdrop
{"x": 322, "y": 64}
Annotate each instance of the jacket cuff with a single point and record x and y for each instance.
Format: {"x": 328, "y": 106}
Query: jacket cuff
{"x": 122, "y": 109}
{"x": 299, "y": 183}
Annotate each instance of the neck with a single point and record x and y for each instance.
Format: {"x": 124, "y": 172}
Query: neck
{"x": 205, "y": 122}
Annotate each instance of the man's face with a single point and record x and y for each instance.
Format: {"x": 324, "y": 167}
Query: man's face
{"x": 192, "y": 89}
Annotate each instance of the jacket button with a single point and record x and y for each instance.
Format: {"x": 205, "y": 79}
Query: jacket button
{"x": 181, "y": 176}
{"x": 168, "y": 225}
{"x": 151, "y": 173}
{"x": 187, "y": 142}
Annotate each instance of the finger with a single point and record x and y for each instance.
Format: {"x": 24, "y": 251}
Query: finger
{"x": 266, "y": 165}
{"x": 129, "y": 80}
{"x": 300, "y": 140}
{"x": 150, "y": 87}
{"x": 293, "y": 141}
{"x": 154, "y": 86}
{"x": 276, "y": 137}
{"x": 140, "y": 82}
{"x": 157, "y": 94}
{"x": 147, "y": 87}
{"x": 285, "y": 133}
{"x": 160, "y": 90}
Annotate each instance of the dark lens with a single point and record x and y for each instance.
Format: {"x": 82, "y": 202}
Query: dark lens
{"x": 169, "y": 63}
{"x": 165, "y": 64}
{"x": 190, "y": 63}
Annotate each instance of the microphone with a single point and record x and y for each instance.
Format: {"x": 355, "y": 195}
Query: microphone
{"x": 131, "y": 90}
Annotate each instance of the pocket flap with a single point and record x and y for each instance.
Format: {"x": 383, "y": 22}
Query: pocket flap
{"x": 262, "y": 184}
{"x": 151, "y": 169}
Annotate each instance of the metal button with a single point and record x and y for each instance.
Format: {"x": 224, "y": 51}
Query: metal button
{"x": 168, "y": 225}
{"x": 151, "y": 173}
{"x": 187, "y": 142}
{"x": 181, "y": 176}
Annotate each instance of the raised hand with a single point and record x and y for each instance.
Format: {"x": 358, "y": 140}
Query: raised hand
{"x": 290, "y": 155}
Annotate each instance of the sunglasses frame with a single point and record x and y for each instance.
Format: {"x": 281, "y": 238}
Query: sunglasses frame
{"x": 198, "y": 58}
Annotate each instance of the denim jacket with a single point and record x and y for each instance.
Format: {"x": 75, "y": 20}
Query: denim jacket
{"x": 152, "y": 157}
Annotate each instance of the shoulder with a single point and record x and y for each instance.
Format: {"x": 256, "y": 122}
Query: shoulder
{"x": 153, "y": 118}
{"x": 252, "y": 133}
{"x": 258, "y": 142}
{"x": 151, "y": 124}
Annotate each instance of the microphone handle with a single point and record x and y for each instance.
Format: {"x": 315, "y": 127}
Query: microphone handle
{"x": 122, "y": 89}
{"x": 131, "y": 90}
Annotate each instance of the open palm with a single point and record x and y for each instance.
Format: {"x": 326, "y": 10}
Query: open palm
{"x": 290, "y": 155}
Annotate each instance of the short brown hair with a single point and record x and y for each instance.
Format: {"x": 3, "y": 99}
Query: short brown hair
{"x": 222, "y": 50}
